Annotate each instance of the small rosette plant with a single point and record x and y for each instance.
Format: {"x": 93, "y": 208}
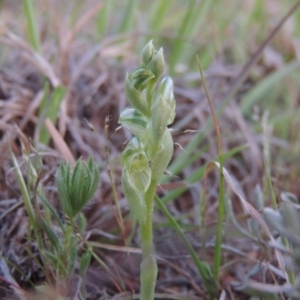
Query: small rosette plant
{"x": 76, "y": 187}
{"x": 149, "y": 152}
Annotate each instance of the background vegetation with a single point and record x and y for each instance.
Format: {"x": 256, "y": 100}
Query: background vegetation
{"x": 63, "y": 65}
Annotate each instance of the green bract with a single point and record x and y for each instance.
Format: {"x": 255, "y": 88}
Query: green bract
{"x": 163, "y": 108}
{"x": 76, "y": 187}
{"x": 147, "y": 155}
{"x": 157, "y": 63}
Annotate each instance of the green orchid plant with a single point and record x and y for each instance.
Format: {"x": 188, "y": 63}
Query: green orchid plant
{"x": 149, "y": 152}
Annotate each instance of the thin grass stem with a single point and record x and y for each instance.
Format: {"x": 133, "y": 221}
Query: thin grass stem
{"x": 221, "y": 209}
{"x": 203, "y": 268}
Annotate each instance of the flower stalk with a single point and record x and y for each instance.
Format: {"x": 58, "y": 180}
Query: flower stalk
{"x": 149, "y": 152}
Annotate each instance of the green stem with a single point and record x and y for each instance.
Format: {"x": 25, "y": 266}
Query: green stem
{"x": 148, "y": 265}
{"x": 146, "y": 227}
{"x": 219, "y": 234}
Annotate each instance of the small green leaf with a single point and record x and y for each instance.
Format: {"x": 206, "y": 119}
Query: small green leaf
{"x": 85, "y": 261}
{"x": 258, "y": 198}
{"x": 63, "y": 187}
{"x": 52, "y": 236}
{"x": 289, "y": 197}
{"x": 273, "y": 218}
{"x": 291, "y": 220}
{"x": 72, "y": 256}
{"x": 76, "y": 195}
{"x": 81, "y": 223}
{"x": 47, "y": 204}
{"x": 51, "y": 110}
{"x": 95, "y": 174}
{"x": 50, "y": 257}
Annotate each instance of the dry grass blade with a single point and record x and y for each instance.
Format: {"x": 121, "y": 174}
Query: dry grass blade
{"x": 102, "y": 47}
{"x": 180, "y": 270}
{"x": 115, "y": 248}
{"x": 268, "y": 288}
{"x": 67, "y": 39}
{"x": 34, "y": 105}
{"x": 59, "y": 142}
{"x": 37, "y": 59}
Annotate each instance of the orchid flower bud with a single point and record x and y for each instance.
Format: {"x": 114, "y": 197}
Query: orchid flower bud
{"x": 140, "y": 77}
{"x": 147, "y": 53}
{"x": 136, "y": 177}
{"x": 134, "y": 95}
{"x": 136, "y": 166}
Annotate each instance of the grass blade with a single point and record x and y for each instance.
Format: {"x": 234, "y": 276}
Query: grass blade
{"x": 221, "y": 208}
{"x": 203, "y": 267}
{"x": 194, "y": 17}
{"x": 158, "y": 15}
{"x": 102, "y": 21}
{"x": 127, "y": 21}
{"x": 32, "y": 25}
{"x": 50, "y": 109}
{"x": 181, "y": 162}
{"x": 264, "y": 86}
